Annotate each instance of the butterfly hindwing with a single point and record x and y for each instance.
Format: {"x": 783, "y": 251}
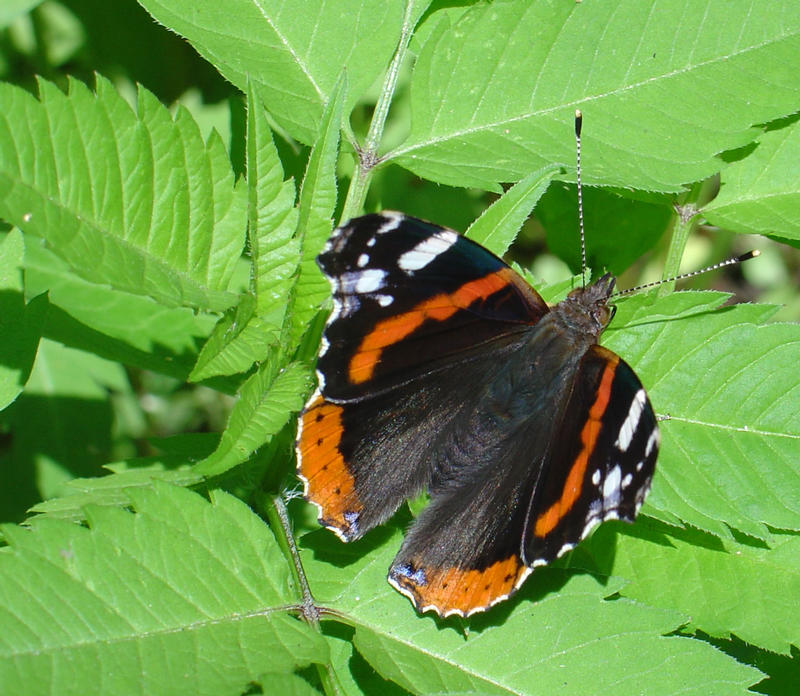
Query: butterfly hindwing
{"x": 361, "y": 459}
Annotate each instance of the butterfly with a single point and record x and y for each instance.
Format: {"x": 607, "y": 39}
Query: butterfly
{"x": 442, "y": 370}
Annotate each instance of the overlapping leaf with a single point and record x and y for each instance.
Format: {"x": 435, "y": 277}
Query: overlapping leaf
{"x": 122, "y": 326}
{"x": 134, "y": 200}
{"x": 266, "y": 401}
{"x": 248, "y": 333}
{"x": 20, "y": 324}
{"x": 726, "y": 588}
{"x": 182, "y": 595}
{"x": 761, "y": 193}
{"x": 495, "y": 88}
{"x": 294, "y": 53}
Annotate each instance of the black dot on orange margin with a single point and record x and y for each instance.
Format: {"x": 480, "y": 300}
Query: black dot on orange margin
{"x": 329, "y": 484}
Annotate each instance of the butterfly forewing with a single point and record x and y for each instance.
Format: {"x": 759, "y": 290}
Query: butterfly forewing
{"x": 600, "y": 462}
{"x": 409, "y": 297}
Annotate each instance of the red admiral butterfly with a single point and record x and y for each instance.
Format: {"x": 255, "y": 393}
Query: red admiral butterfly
{"x": 441, "y": 369}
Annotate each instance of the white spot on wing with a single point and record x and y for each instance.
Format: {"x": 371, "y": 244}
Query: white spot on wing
{"x": 370, "y": 280}
{"x": 611, "y": 488}
{"x": 652, "y": 443}
{"x": 426, "y": 251}
{"x": 628, "y": 429}
{"x": 361, "y": 282}
{"x": 363, "y": 260}
{"x": 347, "y": 306}
{"x": 384, "y": 300}
{"x": 393, "y": 221}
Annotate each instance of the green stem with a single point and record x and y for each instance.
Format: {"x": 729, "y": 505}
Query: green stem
{"x": 683, "y": 223}
{"x": 367, "y": 157}
{"x": 278, "y": 517}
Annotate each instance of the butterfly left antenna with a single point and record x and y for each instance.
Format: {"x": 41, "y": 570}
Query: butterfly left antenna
{"x": 578, "y": 125}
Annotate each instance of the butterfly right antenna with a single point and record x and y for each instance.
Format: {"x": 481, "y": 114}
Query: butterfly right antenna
{"x": 728, "y": 262}
{"x": 578, "y": 125}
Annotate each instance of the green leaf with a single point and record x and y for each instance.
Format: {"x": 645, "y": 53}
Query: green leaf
{"x": 316, "y": 207}
{"x": 293, "y": 52}
{"x": 239, "y": 339}
{"x": 266, "y": 402}
{"x": 61, "y": 425}
{"x": 137, "y": 602}
{"x": 248, "y": 332}
{"x": 615, "y": 645}
{"x": 500, "y": 222}
{"x": 133, "y": 200}
{"x": 120, "y": 326}
{"x": 761, "y": 193}
{"x": 726, "y": 588}
{"x": 727, "y": 384}
{"x": 273, "y": 219}
{"x": 618, "y": 230}
{"x": 494, "y": 92}
{"x": 20, "y": 323}
{"x": 110, "y": 491}
{"x": 12, "y": 9}
{"x": 286, "y": 684}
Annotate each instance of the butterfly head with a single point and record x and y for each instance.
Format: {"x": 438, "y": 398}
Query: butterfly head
{"x": 589, "y": 305}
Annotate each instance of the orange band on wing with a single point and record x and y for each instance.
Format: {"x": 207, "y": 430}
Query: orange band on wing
{"x": 329, "y": 484}
{"x": 458, "y": 590}
{"x": 440, "y": 307}
{"x": 547, "y": 521}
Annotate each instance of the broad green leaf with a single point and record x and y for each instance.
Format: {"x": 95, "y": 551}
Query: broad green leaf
{"x": 266, "y": 402}
{"x": 183, "y": 596}
{"x": 294, "y": 52}
{"x": 575, "y": 641}
{"x": 726, "y": 588}
{"x": 113, "y": 489}
{"x": 316, "y": 207}
{"x": 500, "y": 223}
{"x": 727, "y": 383}
{"x": 495, "y": 88}
{"x": 135, "y": 200}
{"x": 20, "y": 323}
{"x": 761, "y": 193}
{"x": 127, "y": 328}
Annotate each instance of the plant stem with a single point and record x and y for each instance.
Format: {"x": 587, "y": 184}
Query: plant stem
{"x": 682, "y": 225}
{"x": 279, "y": 520}
{"x": 281, "y": 525}
{"x": 367, "y": 157}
